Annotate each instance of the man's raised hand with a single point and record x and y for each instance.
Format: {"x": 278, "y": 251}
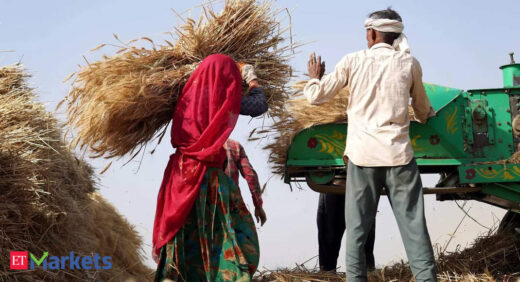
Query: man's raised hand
{"x": 315, "y": 67}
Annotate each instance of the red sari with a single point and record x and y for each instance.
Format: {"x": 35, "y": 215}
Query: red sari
{"x": 205, "y": 116}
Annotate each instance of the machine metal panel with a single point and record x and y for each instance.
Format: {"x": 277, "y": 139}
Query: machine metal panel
{"x": 493, "y": 135}
{"x": 440, "y": 96}
{"x": 489, "y": 173}
{"x": 442, "y": 136}
{"x": 469, "y": 141}
{"x": 508, "y": 191}
{"x": 318, "y": 146}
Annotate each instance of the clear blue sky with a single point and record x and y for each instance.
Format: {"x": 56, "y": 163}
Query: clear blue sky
{"x": 459, "y": 44}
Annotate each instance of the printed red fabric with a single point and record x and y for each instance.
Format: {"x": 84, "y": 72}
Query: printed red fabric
{"x": 205, "y": 114}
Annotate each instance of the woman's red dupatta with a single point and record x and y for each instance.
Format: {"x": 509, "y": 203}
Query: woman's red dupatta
{"x": 204, "y": 117}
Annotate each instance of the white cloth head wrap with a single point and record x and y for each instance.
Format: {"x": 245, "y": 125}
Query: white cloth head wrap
{"x": 387, "y": 25}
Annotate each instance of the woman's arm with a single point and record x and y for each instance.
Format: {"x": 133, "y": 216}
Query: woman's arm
{"x": 254, "y": 104}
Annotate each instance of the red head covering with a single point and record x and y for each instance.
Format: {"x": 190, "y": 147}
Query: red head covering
{"x": 204, "y": 117}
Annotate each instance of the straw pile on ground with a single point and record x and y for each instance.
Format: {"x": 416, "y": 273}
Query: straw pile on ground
{"x": 493, "y": 257}
{"x": 119, "y": 104}
{"x": 48, "y": 201}
{"x": 296, "y": 275}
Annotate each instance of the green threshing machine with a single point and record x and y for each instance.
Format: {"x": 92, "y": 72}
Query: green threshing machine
{"x": 466, "y": 142}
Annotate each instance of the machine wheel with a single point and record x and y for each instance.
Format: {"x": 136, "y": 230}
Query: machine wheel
{"x": 510, "y": 221}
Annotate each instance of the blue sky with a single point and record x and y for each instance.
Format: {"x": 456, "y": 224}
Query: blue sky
{"x": 459, "y": 44}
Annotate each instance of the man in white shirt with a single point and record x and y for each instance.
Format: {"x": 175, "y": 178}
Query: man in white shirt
{"x": 382, "y": 80}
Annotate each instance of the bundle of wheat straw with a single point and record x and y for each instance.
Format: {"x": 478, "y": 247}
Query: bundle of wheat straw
{"x": 119, "y": 104}
{"x": 48, "y": 201}
{"x": 295, "y": 115}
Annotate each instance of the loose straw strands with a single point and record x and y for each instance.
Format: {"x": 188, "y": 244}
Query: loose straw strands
{"x": 295, "y": 115}
{"x": 119, "y": 104}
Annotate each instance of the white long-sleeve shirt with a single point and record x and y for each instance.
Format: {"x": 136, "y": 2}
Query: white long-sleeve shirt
{"x": 381, "y": 82}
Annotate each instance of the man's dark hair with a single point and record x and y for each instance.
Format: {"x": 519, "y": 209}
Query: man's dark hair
{"x": 390, "y": 14}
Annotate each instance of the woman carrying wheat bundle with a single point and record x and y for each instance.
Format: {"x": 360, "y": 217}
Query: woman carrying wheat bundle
{"x": 202, "y": 230}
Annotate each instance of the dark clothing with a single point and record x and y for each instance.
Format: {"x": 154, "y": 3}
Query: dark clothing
{"x": 254, "y": 104}
{"x": 331, "y": 226}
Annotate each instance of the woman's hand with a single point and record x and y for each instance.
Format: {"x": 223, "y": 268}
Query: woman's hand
{"x": 260, "y": 215}
{"x": 253, "y": 83}
{"x": 248, "y": 74}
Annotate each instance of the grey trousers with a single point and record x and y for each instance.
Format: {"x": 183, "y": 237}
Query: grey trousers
{"x": 405, "y": 194}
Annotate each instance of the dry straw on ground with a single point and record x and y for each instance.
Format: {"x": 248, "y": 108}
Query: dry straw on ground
{"x": 493, "y": 257}
{"x": 121, "y": 103}
{"x": 314, "y": 276}
{"x": 48, "y": 201}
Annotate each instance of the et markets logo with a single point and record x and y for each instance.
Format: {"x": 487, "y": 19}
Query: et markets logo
{"x": 26, "y": 260}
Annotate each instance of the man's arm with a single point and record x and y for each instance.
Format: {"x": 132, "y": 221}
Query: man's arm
{"x": 420, "y": 103}
{"x": 319, "y": 91}
{"x": 249, "y": 174}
